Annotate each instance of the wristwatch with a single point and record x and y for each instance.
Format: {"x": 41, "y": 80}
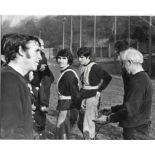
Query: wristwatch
{"x": 108, "y": 118}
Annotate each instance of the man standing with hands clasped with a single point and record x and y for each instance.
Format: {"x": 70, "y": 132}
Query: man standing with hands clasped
{"x": 134, "y": 115}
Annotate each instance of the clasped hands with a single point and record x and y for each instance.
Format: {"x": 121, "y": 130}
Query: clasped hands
{"x": 42, "y": 67}
{"x": 103, "y": 116}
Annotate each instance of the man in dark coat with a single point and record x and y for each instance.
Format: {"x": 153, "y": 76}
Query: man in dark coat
{"x": 22, "y": 54}
{"x": 43, "y": 78}
{"x": 134, "y": 114}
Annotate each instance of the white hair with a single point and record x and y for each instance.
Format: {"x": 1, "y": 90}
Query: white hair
{"x": 132, "y": 55}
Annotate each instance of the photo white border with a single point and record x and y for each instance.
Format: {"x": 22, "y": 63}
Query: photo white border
{"x": 79, "y": 7}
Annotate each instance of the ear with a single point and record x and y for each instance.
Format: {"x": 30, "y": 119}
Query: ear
{"x": 20, "y": 51}
{"x": 130, "y": 62}
{"x": 88, "y": 57}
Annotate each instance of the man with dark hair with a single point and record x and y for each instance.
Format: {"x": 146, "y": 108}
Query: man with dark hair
{"x": 68, "y": 95}
{"x": 3, "y": 61}
{"x": 120, "y": 46}
{"x": 22, "y": 54}
{"x": 43, "y": 78}
{"x": 94, "y": 79}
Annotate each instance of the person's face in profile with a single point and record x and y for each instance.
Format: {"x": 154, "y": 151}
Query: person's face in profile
{"x": 32, "y": 55}
{"x": 128, "y": 66}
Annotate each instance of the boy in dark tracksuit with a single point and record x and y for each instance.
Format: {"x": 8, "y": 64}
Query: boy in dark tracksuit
{"x": 46, "y": 78}
{"x": 43, "y": 78}
{"x": 68, "y": 95}
{"x": 94, "y": 79}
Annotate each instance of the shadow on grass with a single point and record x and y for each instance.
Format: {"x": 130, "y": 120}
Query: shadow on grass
{"x": 108, "y": 132}
{"x": 105, "y": 132}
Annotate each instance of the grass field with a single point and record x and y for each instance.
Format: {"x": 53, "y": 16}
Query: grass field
{"x": 112, "y": 95}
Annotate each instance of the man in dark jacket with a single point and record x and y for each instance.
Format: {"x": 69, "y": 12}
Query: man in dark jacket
{"x": 43, "y": 78}
{"x": 134, "y": 114}
{"x": 22, "y": 54}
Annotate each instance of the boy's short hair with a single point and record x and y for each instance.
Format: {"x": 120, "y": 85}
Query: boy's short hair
{"x": 65, "y": 53}
{"x": 85, "y": 51}
{"x": 132, "y": 55}
{"x": 10, "y": 44}
{"x": 121, "y": 45}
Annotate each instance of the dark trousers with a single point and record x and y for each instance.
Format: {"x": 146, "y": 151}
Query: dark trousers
{"x": 80, "y": 121}
{"x": 40, "y": 121}
{"x": 43, "y": 100}
{"x": 67, "y": 121}
{"x": 44, "y": 91}
{"x": 137, "y": 133}
{"x": 63, "y": 125}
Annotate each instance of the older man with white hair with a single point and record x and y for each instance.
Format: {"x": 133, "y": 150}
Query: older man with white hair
{"x": 134, "y": 114}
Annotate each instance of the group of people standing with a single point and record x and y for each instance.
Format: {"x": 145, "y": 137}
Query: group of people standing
{"x": 72, "y": 98}
{"x": 25, "y": 91}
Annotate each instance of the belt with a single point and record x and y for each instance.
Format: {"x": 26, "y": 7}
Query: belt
{"x": 61, "y": 97}
{"x": 90, "y": 87}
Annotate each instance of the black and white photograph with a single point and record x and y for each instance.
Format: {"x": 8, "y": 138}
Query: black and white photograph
{"x": 77, "y": 76}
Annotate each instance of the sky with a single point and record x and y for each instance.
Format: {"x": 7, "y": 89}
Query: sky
{"x": 71, "y": 7}
{"x": 15, "y": 19}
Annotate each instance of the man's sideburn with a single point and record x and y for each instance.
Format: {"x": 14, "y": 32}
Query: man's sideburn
{"x": 27, "y": 54}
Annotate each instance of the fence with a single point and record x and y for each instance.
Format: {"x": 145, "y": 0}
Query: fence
{"x": 107, "y": 54}
{"x": 101, "y": 52}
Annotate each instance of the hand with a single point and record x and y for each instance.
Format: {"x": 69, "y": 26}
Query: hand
{"x": 31, "y": 76}
{"x": 106, "y": 111}
{"x": 30, "y": 88}
{"x": 33, "y": 112}
{"x": 83, "y": 105}
{"x": 42, "y": 67}
{"x": 98, "y": 94}
{"x": 33, "y": 107}
{"x": 44, "y": 109}
{"x": 102, "y": 119}
{"x": 37, "y": 88}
